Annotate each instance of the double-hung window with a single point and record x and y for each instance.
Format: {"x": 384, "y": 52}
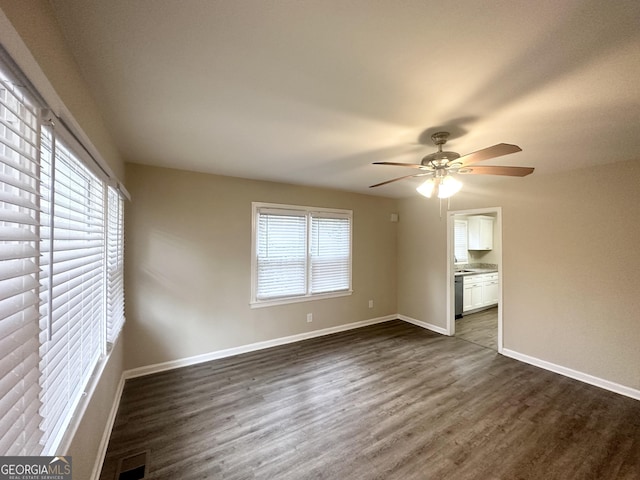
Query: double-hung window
{"x": 19, "y": 273}
{"x": 72, "y": 278}
{"x": 460, "y": 241}
{"x": 115, "y": 264}
{"x": 299, "y": 253}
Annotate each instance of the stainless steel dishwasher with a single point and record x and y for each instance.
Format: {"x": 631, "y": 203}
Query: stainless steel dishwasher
{"x": 459, "y": 290}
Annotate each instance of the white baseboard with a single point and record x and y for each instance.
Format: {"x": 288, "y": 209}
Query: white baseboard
{"x": 576, "y": 375}
{"x": 106, "y": 435}
{"x": 229, "y": 352}
{"x": 420, "y": 323}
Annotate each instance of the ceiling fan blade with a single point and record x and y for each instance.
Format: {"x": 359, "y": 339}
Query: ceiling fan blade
{"x": 493, "y": 170}
{"x": 490, "y": 152}
{"x": 399, "y": 178}
{"x": 396, "y": 164}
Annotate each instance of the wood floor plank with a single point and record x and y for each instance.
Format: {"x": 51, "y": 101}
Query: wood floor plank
{"x": 388, "y": 401}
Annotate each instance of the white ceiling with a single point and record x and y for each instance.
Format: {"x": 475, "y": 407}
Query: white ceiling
{"x": 312, "y": 91}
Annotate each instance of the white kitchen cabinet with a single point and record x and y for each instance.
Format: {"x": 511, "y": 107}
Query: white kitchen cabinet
{"x": 472, "y": 292}
{"x": 490, "y": 290}
{"x": 480, "y": 231}
{"x": 476, "y": 296}
{"x": 468, "y": 297}
{"x": 479, "y": 291}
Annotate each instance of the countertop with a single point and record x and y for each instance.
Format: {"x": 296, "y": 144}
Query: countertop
{"x": 475, "y": 271}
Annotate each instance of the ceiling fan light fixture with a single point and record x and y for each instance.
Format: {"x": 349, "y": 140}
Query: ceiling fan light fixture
{"x": 427, "y": 187}
{"x": 448, "y": 187}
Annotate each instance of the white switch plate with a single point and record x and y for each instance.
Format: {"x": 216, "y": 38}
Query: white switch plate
{"x": 309, "y": 317}
{"x": 370, "y": 303}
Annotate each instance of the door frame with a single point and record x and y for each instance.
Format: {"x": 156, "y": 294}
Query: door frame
{"x": 451, "y": 322}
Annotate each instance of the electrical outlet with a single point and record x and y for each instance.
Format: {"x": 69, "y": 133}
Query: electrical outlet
{"x": 309, "y": 317}
{"x": 370, "y": 303}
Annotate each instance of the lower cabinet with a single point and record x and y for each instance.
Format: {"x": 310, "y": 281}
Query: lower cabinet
{"x": 490, "y": 291}
{"x": 472, "y": 296}
{"x": 479, "y": 291}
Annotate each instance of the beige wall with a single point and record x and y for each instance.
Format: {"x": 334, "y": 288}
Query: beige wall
{"x": 188, "y": 257}
{"x": 87, "y": 440}
{"x": 31, "y": 35}
{"x": 570, "y": 255}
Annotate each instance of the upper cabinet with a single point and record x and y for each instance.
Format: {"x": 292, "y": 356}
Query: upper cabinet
{"x": 480, "y": 230}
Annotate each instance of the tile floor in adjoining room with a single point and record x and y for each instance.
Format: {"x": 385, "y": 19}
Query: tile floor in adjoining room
{"x": 480, "y": 328}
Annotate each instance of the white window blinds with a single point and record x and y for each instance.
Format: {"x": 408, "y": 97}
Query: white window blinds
{"x": 330, "y": 253}
{"x": 300, "y": 252}
{"x": 282, "y": 254}
{"x": 59, "y": 297}
{"x": 72, "y": 293}
{"x": 115, "y": 265}
{"x": 460, "y": 241}
{"x": 19, "y": 373}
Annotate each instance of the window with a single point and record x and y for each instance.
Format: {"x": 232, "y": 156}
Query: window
{"x": 115, "y": 265}
{"x": 61, "y": 299}
{"x": 72, "y": 278}
{"x": 330, "y": 253}
{"x": 460, "y": 241}
{"x": 299, "y": 253}
{"x": 19, "y": 267}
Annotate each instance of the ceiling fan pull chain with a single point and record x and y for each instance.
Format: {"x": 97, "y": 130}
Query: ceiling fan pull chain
{"x": 448, "y": 205}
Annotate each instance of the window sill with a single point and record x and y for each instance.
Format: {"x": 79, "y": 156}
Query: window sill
{"x": 306, "y": 298}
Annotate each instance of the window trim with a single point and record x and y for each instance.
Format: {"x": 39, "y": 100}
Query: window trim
{"x": 254, "y": 302}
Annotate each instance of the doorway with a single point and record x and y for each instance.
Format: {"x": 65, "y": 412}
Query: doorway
{"x": 481, "y": 323}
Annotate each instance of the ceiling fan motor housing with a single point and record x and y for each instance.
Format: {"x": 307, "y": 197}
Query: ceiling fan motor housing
{"x": 439, "y": 159}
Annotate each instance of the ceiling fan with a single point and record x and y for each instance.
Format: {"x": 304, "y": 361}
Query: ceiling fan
{"x": 439, "y": 167}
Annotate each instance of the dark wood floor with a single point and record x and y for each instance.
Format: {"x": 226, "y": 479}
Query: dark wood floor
{"x": 480, "y": 328}
{"x": 389, "y": 401}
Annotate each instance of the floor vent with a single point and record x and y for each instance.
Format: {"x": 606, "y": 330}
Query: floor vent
{"x": 133, "y": 467}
